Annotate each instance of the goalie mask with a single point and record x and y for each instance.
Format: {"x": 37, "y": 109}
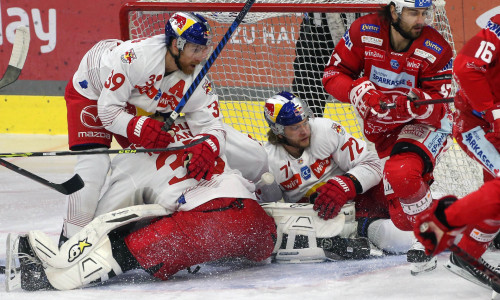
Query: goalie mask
{"x": 189, "y": 28}
{"x": 427, "y": 4}
{"x": 284, "y": 109}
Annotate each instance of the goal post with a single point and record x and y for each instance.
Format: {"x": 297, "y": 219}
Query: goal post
{"x": 283, "y": 45}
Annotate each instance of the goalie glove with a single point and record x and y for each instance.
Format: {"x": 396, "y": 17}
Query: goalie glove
{"x": 432, "y": 229}
{"x": 200, "y": 158}
{"x": 366, "y": 99}
{"x": 147, "y": 133}
{"x": 405, "y": 107}
{"x": 492, "y": 116}
{"x": 333, "y": 195}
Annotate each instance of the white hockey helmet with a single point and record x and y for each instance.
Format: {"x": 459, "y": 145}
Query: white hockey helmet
{"x": 285, "y": 109}
{"x": 400, "y": 4}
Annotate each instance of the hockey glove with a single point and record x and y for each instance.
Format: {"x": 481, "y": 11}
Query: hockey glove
{"x": 492, "y": 116}
{"x": 432, "y": 228}
{"x": 405, "y": 107}
{"x": 201, "y": 158}
{"x": 333, "y": 195}
{"x": 147, "y": 133}
{"x": 366, "y": 99}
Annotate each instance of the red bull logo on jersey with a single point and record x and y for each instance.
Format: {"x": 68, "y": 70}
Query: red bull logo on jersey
{"x": 207, "y": 86}
{"x": 370, "y": 28}
{"x": 493, "y": 27}
{"x": 433, "y": 46}
{"x": 128, "y": 57}
{"x": 338, "y": 128}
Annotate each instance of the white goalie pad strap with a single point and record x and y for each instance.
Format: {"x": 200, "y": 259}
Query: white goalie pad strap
{"x": 80, "y": 245}
{"x": 95, "y": 267}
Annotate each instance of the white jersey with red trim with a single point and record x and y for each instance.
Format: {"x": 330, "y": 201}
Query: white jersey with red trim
{"x": 332, "y": 152}
{"x": 162, "y": 178}
{"x": 116, "y": 73}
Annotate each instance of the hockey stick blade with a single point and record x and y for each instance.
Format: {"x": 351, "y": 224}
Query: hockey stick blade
{"x": 420, "y": 102}
{"x": 481, "y": 266}
{"x": 68, "y": 187}
{"x": 104, "y": 151}
{"x": 18, "y": 56}
{"x": 175, "y": 114}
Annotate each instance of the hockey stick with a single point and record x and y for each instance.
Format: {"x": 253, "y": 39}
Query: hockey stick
{"x": 18, "y": 56}
{"x": 68, "y": 187}
{"x": 104, "y": 151}
{"x": 420, "y": 102}
{"x": 175, "y": 114}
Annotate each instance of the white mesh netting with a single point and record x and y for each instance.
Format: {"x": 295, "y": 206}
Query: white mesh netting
{"x": 283, "y": 45}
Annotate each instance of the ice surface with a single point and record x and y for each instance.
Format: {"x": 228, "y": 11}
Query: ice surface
{"x": 26, "y": 205}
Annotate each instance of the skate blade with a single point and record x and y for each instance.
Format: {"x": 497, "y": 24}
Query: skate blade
{"x": 12, "y": 267}
{"x": 464, "y": 274}
{"x": 420, "y": 268}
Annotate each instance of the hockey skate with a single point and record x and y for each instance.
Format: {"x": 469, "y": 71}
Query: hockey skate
{"x": 419, "y": 261}
{"x": 337, "y": 248}
{"x": 463, "y": 269}
{"x": 23, "y": 269}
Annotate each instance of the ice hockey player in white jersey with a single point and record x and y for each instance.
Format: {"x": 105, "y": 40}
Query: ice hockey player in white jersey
{"x": 187, "y": 222}
{"x": 314, "y": 160}
{"x": 115, "y": 77}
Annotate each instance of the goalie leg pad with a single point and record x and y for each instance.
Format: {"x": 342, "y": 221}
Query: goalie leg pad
{"x": 300, "y": 231}
{"x": 387, "y": 237}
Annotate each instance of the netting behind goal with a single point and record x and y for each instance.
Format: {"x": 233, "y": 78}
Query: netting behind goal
{"x": 284, "y": 45}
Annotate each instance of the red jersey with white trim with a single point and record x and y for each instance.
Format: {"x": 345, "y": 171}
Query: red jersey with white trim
{"x": 116, "y": 73}
{"x": 162, "y": 178}
{"x": 365, "y": 48}
{"x": 477, "y": 68}
{"x": 332, "y": 152}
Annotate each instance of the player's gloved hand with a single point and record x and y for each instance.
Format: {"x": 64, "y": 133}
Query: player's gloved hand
{"x": 367, "y": 99}
{"x": 492, "y": 116}
{"x": 201, "y": 158}
{"x": 147, "y": 132}
{"x": 333, "y": 195}
{"x": 406, "y": 108}
{"x": 432, "y": 229}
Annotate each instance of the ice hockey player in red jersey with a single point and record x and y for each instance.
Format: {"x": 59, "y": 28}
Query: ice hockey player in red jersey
{"x": 477, "y": 131}
{"x": 395, "y": 57}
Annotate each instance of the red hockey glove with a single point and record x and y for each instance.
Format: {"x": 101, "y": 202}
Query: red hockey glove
{"x": 432, "y": 228}
{"x": 147, "y": 133}
{"x": 201, "y": 158}
{"x": 492, "y": 116}
{"x": 366, "y": 99}
{"x": 333, "y": 195}
{"x": 405, "y": 107}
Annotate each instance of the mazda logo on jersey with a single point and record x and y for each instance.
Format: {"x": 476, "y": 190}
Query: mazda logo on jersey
{"x": 89, "y": 117}
{"x": 305, "y": 172}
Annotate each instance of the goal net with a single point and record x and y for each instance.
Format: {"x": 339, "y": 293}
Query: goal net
{"x": 284, "y": 45}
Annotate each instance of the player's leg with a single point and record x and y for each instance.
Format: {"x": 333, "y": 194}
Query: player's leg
{"x": 374, "y": 222}
{"x": 407, "y": 176}
{"x": 85, "y": 131}
{"x": 220, "y": 228}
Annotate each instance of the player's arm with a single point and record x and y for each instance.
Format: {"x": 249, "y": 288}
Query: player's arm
{"x": 123, "y": 78}
{"x": 363, "y": 170}
{"x": 204, "y": 119}
{"x": 345, "y": 64}
{"x": 471, "y": 65}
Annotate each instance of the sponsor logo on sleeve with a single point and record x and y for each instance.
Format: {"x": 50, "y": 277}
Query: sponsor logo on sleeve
{"x": 370, "y": 28}
{"x": 207, "y": 86}
{"x": 447, "y": 67}
{"x": 371, "y": 40}
{"x": 493, "y": 27}
{"x": 433, "y": 46}
{"x": 347, "y": 40}
{"x": 425, "y": 55}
